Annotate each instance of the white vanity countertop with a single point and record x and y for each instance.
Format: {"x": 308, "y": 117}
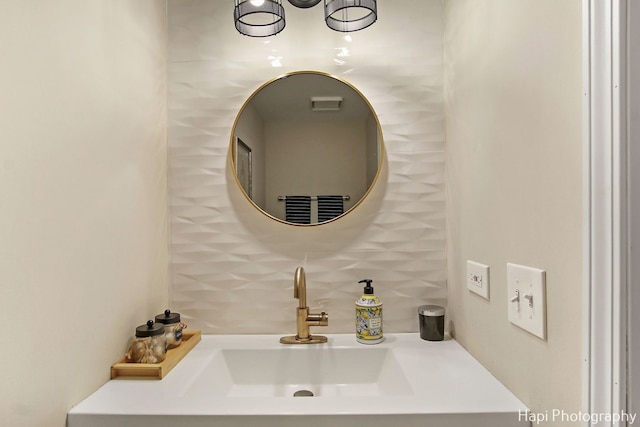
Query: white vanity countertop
{"x": 439, "y": 381}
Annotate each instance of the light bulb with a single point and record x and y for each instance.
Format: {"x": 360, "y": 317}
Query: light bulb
{"x": 257, "y": 2}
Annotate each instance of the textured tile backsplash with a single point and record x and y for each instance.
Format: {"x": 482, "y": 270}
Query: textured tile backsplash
{"x": 232, "y": 267}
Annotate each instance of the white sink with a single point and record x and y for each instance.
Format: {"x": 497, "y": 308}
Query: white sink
{"x": 322, "y": 371}
{"x": 250, "y": 381}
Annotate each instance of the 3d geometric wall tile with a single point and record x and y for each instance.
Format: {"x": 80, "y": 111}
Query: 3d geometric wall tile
{"x": 232, "y": 267}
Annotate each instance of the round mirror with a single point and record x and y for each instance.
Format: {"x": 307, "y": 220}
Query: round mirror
{"x": 306, "y": 148}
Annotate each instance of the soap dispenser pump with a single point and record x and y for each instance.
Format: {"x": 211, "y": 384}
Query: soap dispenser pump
{"x": 368, "y": 316}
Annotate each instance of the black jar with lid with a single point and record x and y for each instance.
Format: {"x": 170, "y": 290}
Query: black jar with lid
{"x": 149, "y": 344}
{"x": 431, "y": 319}
{"x": 172, "y": 327}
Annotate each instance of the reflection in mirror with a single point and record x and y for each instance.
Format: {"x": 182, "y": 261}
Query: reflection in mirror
{"x": 306, "y": 148}
{"x": 244, "y": 167}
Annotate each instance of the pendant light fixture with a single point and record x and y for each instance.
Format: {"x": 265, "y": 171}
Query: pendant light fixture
{"x": 264, "y": 18}
{"x": 258, "y": 18}
{"x": 350, "y": 15}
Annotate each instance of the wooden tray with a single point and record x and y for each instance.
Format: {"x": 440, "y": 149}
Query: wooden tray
{"x": 157, "y": 370}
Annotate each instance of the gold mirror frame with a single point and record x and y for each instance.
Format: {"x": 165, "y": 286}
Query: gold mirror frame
{"x": 233, "y": 154}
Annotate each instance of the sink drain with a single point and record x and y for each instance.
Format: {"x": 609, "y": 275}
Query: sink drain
{"x": 303, "y": 393}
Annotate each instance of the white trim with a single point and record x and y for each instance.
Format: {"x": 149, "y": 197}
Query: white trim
{"x": 586, "y": 205}
{"x": 620, "y": 225}
{"x": 605, "y": 269}
{"x": 633, "y": 211}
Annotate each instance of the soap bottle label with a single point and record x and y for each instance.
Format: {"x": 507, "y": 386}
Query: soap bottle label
{"x": 369, "y": 323}
{"x": 375, "y": 323}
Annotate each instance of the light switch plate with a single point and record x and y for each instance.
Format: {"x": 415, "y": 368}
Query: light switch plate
{"x": 478, "y": 278}
{"x": 527, "y": 299}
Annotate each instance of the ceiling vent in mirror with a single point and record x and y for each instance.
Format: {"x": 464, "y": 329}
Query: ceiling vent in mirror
{"x": 264, "y": 18}
{"x": 326, "y": 103}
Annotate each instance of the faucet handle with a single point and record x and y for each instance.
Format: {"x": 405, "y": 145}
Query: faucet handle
{"x": 321, "y": 319}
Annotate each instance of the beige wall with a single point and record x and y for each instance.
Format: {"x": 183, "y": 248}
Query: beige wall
{"x": 83, "y": 253}
{"x": 513, "y": 108}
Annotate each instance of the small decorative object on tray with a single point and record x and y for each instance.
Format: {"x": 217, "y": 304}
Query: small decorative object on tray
{"x": 146, "y": 370}
{"x": 172, "y": 327}
{"x": 149, "y": 345}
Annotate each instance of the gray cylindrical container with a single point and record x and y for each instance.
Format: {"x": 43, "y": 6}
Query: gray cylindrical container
{"x": 431, "y": 319}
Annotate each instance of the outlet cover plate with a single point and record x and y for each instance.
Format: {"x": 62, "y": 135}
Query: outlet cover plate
{"x": 527, "y": 299}
{"x": 478, "y": 278}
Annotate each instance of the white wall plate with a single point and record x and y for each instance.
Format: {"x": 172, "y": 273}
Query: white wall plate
{"x": 478, "y": 278}
{"x": 527, "y": 299}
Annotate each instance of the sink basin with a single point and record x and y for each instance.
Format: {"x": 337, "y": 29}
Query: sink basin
{"x": 325, "y": 372}
{"x": 254, "y": 381}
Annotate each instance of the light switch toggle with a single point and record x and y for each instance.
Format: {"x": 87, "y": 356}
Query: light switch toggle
{"x": 529, "y": 298}
{"x": 517, "y": 297}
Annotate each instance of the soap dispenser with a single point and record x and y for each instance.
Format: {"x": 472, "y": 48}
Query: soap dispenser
{"x": 368, "y": 316}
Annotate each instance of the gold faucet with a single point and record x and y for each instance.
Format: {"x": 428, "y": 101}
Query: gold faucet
{"x": 304, "y": 319}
